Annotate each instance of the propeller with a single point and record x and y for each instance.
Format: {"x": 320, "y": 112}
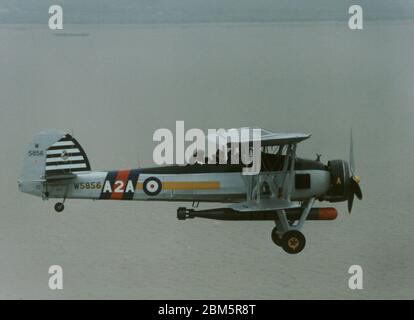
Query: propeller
{"x": 354, "y": 188}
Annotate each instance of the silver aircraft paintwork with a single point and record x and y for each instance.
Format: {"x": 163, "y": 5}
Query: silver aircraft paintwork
{"x": 284, "y": 191}
{"x": 232, "y": 187}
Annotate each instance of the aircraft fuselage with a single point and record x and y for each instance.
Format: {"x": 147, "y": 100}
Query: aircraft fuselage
{"x": 198, "y": 183}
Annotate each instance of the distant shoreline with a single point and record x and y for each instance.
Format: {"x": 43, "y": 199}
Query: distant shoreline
{"x": 26, "y": 26}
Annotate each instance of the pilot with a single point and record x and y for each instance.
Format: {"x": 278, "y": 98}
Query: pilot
{"x": 197, "y": 158}
{"x": 233, "y": 156}
{"x": 220, "y": 157}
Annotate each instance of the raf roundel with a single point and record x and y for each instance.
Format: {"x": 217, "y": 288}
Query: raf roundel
{"x": 152, "y": 186}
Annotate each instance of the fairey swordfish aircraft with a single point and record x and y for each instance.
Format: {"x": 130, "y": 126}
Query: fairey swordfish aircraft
{"x": 284, "y": 190}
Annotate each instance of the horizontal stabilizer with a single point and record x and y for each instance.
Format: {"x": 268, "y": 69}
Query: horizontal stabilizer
{"x": 59, "y": 177}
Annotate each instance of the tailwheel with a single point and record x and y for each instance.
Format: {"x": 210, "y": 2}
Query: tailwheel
{"x": 293, "y": 241}
{"x": 276, "y": 238}
{"x": 59, "y": 207}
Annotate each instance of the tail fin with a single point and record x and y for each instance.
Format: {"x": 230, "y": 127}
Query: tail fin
{"x": 53, "y": 153}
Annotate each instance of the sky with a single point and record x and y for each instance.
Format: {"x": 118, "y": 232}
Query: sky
{"x": 195, "y": 11}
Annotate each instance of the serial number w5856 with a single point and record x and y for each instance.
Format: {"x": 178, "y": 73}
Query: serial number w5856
{"x": 87, "y": 185}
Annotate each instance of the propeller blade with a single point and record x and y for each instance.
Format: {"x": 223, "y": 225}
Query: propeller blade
{"x": 351, "y": 155}
{"x": 350, "y": 201}
{"x": 356, "y": 188}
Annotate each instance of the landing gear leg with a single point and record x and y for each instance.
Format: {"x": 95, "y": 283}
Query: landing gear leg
{"x": 60, "y": 206}
{"x": 286, "y": 234}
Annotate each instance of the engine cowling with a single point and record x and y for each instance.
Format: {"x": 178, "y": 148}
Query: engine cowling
{"x": 340, "y": 185}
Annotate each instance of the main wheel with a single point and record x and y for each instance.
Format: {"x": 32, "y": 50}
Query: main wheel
{"x": 293, "y": 241}
{"x": 59, "y": 207}
{"x": 276, "y": 238}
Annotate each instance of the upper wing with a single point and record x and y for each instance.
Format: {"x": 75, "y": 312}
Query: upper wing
{"x": 269, "y": 204}
{"x": 267, "y": 137}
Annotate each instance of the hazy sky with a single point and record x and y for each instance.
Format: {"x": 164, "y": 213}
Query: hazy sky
{"x": 178, "y": 11}
{"x": 117, "y": 85}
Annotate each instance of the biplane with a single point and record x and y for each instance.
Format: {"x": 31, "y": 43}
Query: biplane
{"x": 284, "y": 191}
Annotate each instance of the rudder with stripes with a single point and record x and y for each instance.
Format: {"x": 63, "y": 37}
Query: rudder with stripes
{"x": 53, "y": 153}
